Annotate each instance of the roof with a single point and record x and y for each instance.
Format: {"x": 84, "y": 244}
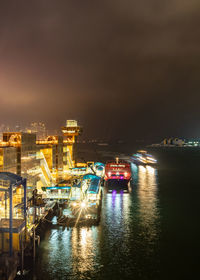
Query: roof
{"x": 90, "y": 176}
{"x": 94, "y": 183}
{"x": 18, "y": 225}
{"x": 99, "y": 164}
{"x": 94, "y": 186}
{"x": 11, "y": 177}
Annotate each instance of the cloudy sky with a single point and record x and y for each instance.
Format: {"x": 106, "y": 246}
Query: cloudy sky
{"x": 120, "y": 67}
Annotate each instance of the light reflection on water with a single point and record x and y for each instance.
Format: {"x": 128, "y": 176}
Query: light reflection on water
{"x": 69, "y": 253}
{"x": 148, "y": 201}
{"x": 83, "y": 250}
{"x": 119, "y": 248}
{"x": 147, "y": 194}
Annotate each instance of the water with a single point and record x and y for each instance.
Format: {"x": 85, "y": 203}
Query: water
{"x": 151, "y": 233}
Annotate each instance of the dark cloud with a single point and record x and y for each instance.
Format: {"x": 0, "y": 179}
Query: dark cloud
{"x": 128, "y": 67}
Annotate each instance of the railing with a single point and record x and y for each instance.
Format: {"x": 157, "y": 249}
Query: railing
{"x": 4, "y": 183}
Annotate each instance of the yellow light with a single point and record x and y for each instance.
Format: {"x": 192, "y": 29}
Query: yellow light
{"x": 74, "y": 204}
{"x": 83, "y": 204}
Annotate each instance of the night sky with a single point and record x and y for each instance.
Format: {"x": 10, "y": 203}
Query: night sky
{"x": 126, "y": 69}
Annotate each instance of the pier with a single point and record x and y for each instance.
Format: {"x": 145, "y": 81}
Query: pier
{"x": 41, "y": 186}
{"x": 76, "y": 204}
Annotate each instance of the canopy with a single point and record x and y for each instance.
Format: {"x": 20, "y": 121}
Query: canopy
{"x": 91, "y": 176}
{"x": 12, "y": 178}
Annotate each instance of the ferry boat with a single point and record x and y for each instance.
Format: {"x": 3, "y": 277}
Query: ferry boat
{"x": 90, "y": 201}
{"x": 143, "y": 158}
{"x": 118, "y": 170}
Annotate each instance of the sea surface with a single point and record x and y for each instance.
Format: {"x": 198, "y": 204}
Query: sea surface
{"x": 151, "y": 233}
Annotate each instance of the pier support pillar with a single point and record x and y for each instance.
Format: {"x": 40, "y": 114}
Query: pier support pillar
{"x": 11, "y": 221}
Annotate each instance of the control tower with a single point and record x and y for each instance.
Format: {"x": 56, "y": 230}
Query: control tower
{"x": 70, "y": 133}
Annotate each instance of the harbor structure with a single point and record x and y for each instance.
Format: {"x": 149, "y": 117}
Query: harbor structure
{"x": 8, "y": 159}
{"x": 12, "y": 223}
{"x": 26, "y": 161}
{"x": 28, "y": 166}
{"x": 70, "y": 133}
{"x": 42, "y": 161}
{"x": 171, "y": 142}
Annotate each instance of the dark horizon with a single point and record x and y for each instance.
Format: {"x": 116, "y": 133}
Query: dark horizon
{"x": 123, "y": 69}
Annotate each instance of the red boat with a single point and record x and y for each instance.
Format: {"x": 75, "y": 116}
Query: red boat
{"x": 118, "y": 170}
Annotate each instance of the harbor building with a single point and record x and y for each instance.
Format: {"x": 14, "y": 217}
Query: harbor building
{"x": 26, "y": 160}
{"x": 50, "y": 153}
{"x": 8, "y": 159}
{"x": 31, "y": 167}
{"x": 41, "y": 161}
{"x": 173, "y": 142}
{"x": 70, "y": 133}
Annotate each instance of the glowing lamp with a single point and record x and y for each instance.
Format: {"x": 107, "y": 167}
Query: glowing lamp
{"x": 83, "y": 204}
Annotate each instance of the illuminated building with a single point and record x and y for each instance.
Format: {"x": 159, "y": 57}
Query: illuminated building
{"x": 39, "y": 128}
{"x": 173, "y": 142}
{"x": 26, "y": 161}
{"x": 4, "y": 128}
{"x": 193, "y": 143}
{"x": 70, "y": 133}
{"x": 41, "y": 161}
{"x": 50, "y": 151}
{"x": 8, "y": 159}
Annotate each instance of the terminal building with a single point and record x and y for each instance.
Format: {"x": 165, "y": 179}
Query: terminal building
{"x": 41, "y": 161}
